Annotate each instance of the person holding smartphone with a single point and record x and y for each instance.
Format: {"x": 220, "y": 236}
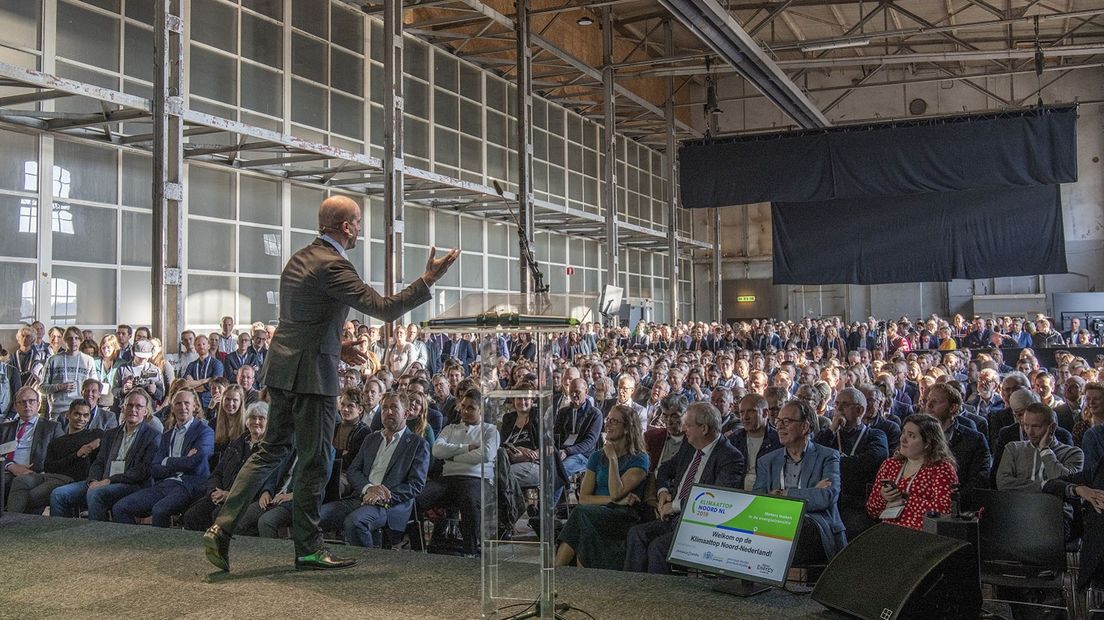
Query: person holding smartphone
{"x": 918, "y": 479}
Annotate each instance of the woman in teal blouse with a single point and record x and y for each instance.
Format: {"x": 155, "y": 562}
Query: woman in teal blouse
{"x": 612, "y": 486}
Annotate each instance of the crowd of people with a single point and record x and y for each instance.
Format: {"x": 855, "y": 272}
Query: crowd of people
{"x": 867, "y": 422}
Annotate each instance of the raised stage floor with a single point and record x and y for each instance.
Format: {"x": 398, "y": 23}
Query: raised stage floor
{"x": 72, "y": 568}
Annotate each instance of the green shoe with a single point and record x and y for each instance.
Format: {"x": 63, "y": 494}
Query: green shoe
{"x": 322, "y": 560}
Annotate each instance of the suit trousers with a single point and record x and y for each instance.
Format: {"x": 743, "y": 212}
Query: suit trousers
{"x": 306, "y": 421}
{"x": 358, "y": 521}
{"x": 30, "y": 493}
{"x": 646, "y": 546}
{"x": 161, "y": 501}
{"x": 201, "y": 514}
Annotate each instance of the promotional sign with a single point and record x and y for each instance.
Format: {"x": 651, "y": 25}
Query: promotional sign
{"x": 738, "y": 534}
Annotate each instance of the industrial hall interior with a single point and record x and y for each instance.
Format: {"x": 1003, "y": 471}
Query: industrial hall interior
{"x": 789, "y": 308}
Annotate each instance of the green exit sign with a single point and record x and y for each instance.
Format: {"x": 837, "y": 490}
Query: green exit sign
{"x": 745, "y": 299}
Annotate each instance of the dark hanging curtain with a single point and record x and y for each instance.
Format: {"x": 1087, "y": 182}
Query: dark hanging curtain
{"x": 926, "y": 201}
{"x": 920, "y": 238}
{"x": 1037, "y": 147}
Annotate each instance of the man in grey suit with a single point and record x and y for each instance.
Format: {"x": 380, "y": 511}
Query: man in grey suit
{"x": 317, "y": 288}
{"x": 388, "y": 472}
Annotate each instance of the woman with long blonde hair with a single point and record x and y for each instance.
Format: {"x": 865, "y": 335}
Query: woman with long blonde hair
{"x": 229, "y": 421}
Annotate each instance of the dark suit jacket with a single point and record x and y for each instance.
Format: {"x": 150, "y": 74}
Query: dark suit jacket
{"x": 1092, "y": 538}
{"x": 44, "y": 432}
{"x": 892, "y": 430}
{"x": 588, "y": 428}
{"x": 195, "y": 469}
{"x": 317, "y": 288}
{"x": 971, "y": 452}
{"x": 858, "y": 472}
{"x": 770, "y": 443}
{"x": 460, "y": 350}
{"x": 725, "y": 467}
{"x": 405, "y": 476}
{"x": 235, "y": 455}
{"x": 139, "y": 458}
{"x": 654, "y": 438}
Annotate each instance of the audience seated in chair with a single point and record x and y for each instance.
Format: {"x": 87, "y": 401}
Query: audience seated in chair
{"x": 180, "y": 467}
{"x": 272, "y": 509}
{"x": 1027, "y": 465}
{"x": 67, "y": 459}
{"x": 122, "y": 466}
{"x": 388, "y": 472}
{"x": 611, "y": 496}
{"x": 968, "y": 446}
{"x": 918, "y": 479}
{"x": 468, "y": 450}
{"x": 704, "y": 457}
{"x": 756, "y": 435}
{"x": 805, "y": 470}
{"x": 578, "y": 428}
{"x": 201, "y": 514}
{"x": 32, "y": 435}
{"x": 664, "y": 442}
{"x": 521, "y": 438}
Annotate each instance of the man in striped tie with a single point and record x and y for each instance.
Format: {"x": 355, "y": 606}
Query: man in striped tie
{"x": 706, "y": 457}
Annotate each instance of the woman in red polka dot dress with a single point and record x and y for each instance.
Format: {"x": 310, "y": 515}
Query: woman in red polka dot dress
{"x": 918, "y": 479}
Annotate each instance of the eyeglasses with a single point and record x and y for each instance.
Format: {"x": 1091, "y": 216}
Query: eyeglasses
{"x": 788, "y": 421}
{"x": 27, "y": 401}
{"x": 617, "y": 421}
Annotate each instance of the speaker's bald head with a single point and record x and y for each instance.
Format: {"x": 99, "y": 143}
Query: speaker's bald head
{"x": 336, "y": 210}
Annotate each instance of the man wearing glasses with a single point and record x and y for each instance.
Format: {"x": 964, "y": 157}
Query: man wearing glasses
{"x": 803, "y": 469}
{"x": 123, "y": 465}
{"x": 32, "y": 435}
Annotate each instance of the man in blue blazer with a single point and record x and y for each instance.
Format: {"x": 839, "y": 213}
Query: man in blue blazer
{"x": 387, "y": 474}
{"x": 803, "y": 469}
{"x": 180, "y": 467}
{"x": 706, "y": 457}
{"x": 122, "y": 466}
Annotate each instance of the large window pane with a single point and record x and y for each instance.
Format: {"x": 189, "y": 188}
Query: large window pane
{"x": 271, "y": 8}
{"x": 82, "y": 296}
{"x": 308, "y": 104}
{"x": 498, "y": 276}
{"x": 261, "y": 90}
{"x": 214, "y": 75}
{"x": 18, "y": 162}
{"x": 260, "y": 201}
{"x": 18, "y": 227}
{"x": 471, "y": 234}
{"x": 347, "y": 72}
{"x": 209, "y": 299}
{"x": 309, "y": 58}
{"x": 346, "y": 115}
{"x": 210, "y": 192}
{"x": 86, "y": 234}
{"x": 347, "y": 29}
{"x": 20, "y": 19}
{"x": 137, "y": 181}
{"x": 259, "y": 250}
{"x": 471, "y": 270}
{"x": 86, "y": 36}
{"x": 258, "y": 299}
{"x": 311, "y": 16}
{"x": 447, "y": 230}
{"x": 304, "y": 207}
{"x": 216, "y": 24}
{"x": 414, "y": 260}
{"x": 262, "y": 41}
{"x": 138, "y": 54}
{"x": 84, "y": 172}
{"x": 135, "y": 300}
{"x": 210, "y": 246}
{"x": 417, "y": 225}
{"x": 137, "y": 229}
{"x": 17, "y": 286}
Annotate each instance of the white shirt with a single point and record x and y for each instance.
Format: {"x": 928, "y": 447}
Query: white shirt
{"x": 22, "y": 453}
{"x": 383, "y": 459}
{"x": 452, "y": 446}
{"x": 118, "y": 465}
{"x": 676, "y": 505}
{"x": 753, "y": 445}
{"x": 177, "y": 448}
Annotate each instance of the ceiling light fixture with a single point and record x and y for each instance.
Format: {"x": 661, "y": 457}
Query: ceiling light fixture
{"x": 835, "y": 45}
{"x": 585, "y": 20}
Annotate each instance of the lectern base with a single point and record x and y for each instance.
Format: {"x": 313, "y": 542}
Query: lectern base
{"x": 740, "y": 587}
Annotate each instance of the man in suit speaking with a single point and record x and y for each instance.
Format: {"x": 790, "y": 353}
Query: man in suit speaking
{"x": 317, "y": 288}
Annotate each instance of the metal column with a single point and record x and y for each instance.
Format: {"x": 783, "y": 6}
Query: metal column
{"x": 525, "y": 147}
{"x": 671, "y": 172}
{"x": 717, "y": 306}
{"x": 168, "y": 173}
{"x": 609, "y": 173}
{"x": 392, "y": 147}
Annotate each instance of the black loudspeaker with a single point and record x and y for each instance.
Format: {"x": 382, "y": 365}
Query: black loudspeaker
{"x": 891, "y": 572}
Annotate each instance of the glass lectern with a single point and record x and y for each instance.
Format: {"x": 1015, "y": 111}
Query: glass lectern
{"x": 517, "y": 576}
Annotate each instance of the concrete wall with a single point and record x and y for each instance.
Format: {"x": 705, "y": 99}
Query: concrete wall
{"x": 746, "y": 248}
